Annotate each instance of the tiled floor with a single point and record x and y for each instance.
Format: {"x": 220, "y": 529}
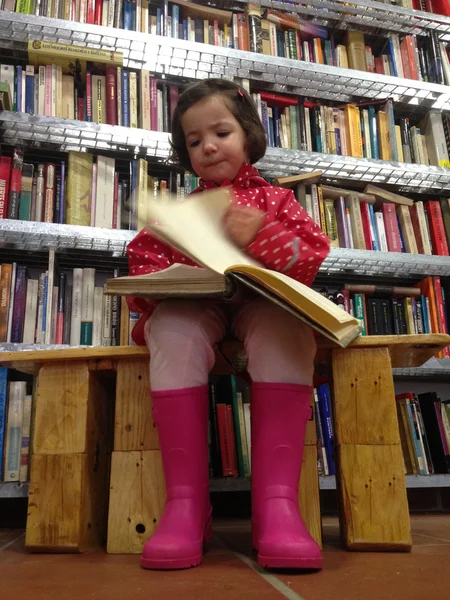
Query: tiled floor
{"x": 228, "y": 571}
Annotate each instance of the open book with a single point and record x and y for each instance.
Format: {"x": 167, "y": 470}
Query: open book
{"x": 194, "y": 227}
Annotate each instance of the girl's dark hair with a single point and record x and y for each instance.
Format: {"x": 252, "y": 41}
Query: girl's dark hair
{"x": 241, "y": 107}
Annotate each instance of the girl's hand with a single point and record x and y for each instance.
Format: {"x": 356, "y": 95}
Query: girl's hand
{"x": 242, "y": 224}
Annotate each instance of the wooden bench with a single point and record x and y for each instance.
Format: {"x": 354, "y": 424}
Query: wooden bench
{"x": 95, "y": 445}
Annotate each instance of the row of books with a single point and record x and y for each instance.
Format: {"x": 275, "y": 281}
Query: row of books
{"x": 270, "y": 32}
{"x": 368, "y": 130}
{"x": 83, "y": 190}
{"x": 16, "y": 405}
{"x": 424, "y": 425}
{"x": 377, "y": 219}
{"x": 230, "y": 425}
{"x": 58, "y": 306}
{"x": 100, "y": 94}
{"x": 397, "y": 310}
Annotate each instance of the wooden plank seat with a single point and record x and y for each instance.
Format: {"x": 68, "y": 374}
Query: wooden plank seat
{"x": 95, "y": 444}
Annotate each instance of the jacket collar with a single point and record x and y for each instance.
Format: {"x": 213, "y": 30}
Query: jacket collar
{"x": 247, "y": 177}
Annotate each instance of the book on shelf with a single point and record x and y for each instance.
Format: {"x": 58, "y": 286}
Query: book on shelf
{"x": 204, "y": 241}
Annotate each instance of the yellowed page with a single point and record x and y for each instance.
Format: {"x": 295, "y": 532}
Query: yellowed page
{"x": 194, "y": 226}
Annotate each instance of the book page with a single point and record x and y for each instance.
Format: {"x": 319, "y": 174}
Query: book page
{"x": 173, "y": 273}
{"x": 194, "y": 226}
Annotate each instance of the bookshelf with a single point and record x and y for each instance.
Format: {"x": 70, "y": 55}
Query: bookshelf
{"x": 183, "y": 60}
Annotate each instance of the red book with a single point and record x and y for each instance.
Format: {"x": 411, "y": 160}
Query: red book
{"x": 365, "y": 216}
{"x": 437, "y": 230}
{"x": 111, "y": 100}
{"x": 98, "y": 12}
{"x": 441, "y": 7}
{"x": 379, "y": 66}
{"x": 282, "y": 101}
{"x": 224, "y": 440}
{"x": 80, "y": 105}
{"x": 441, "y": 311}
{"x": 15, "y": 184}
{"x": 243, "y": 35}
{"x": 153, "y": 104}
{"x": 5, "y": 174}
{"x": 88, "y": 98}
{"x": 90, "y": 12}
{"x": 391, "y": 227}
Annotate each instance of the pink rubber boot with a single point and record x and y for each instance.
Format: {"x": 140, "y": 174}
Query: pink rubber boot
{"x": 279, "y": 416}
{"x": 181, "y": 417}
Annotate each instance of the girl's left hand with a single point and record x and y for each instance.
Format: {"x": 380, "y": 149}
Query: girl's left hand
{"x": 242, "y": 224}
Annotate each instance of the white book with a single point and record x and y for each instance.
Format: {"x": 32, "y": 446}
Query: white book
{"x": 106, "y": 321}
{"x": 11, "y": 301}
{"x": 248, "y": 432}
{"x": 25, "y": 444}
{"x": 423, "y": 227}
{"x": 40, "y": 309}
{"x": 132, "y": 320}
{"x": 159, "y": 102}
{"x": 349, "y": 226}
{"x": 104, "y": 204}
{"x": 13, "y": 444}
{"x": 97, "y": 320}
{"x": 75, "y": 323}
{"x": 105, "y": 13}
{"x": 41, "y": 105}
{"x": 445, "y": 63}
{"x": 397, "y": 54}
{"x": 119, "y": 207}
{"x": 87, "y": 307}
{"x": 381, "y": 230}
{"x": 40, "y": 192}
{"x": 111, "y": 11}
{"x": 93, "y": 194}
{"x": 308, "y": 130}
{"x": 433, "y": 129}
{"x": 144, "y": 97}
{"x": 49, "y": 307}
{"x": 29, "y": 327}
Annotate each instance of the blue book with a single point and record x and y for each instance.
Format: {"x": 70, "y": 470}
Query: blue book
{"x": 128, "y": 15}
{"x": 425, "y": 316}
{"x": 29, "y": 91}
{"x": 44, "y": 311}
{"x": 402, "y": 241}
{"x": 133, "y": 211}
{"x": 392, "y": 57}
{"x": 276, "y": 126}
{"x": 374, "y": 143}
{"x": 185, "y": 30}
{"x": 325, "y": 411}
{"x": 125, "y": 98}
{"x": 159, "y": 29}
{"x": 19, "y": 89}
{"x": 373, "y": 226}
{"x": 175, "y": 21}
{"x": 3, "y": 402}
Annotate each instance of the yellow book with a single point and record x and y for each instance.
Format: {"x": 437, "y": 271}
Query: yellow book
{"x": 398, "y": 137}
{"x": 72, "y": 59}
{"x": 142, "y": 196}
{"x": 356, "y": 50}
{"x": 353, "y": 123}
{"x": 383, "y": 135}
{"x": 59, "y": 91}
{"x": 265, "y": 36}
{"x": 79, "y": 178}
{"x": 68, "y": 107}
{"x": 194, "y": 227}
{"x": 359, "y": 241}
{"x": 144, "y": 99}
{"x": 407, "y": 229}
{"x": 331, "y": 225}
{"x": 133, "y": 100}
{"x": 323, "y": 224}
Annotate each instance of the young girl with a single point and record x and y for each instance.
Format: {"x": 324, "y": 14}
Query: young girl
{"x": 218, "y": 135}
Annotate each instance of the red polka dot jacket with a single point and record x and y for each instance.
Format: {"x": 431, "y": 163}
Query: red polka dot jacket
{"x": 289, "y": 241}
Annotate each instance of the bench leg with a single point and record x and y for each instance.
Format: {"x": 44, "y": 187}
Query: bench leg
{"x": 70, "y": 459}
{"x": 137, "y": 489}
{"x": 370, "y": 468}
{"x": 309, "y": 499}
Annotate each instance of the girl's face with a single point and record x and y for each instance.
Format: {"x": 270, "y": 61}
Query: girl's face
{"x": 216, "y": 142}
